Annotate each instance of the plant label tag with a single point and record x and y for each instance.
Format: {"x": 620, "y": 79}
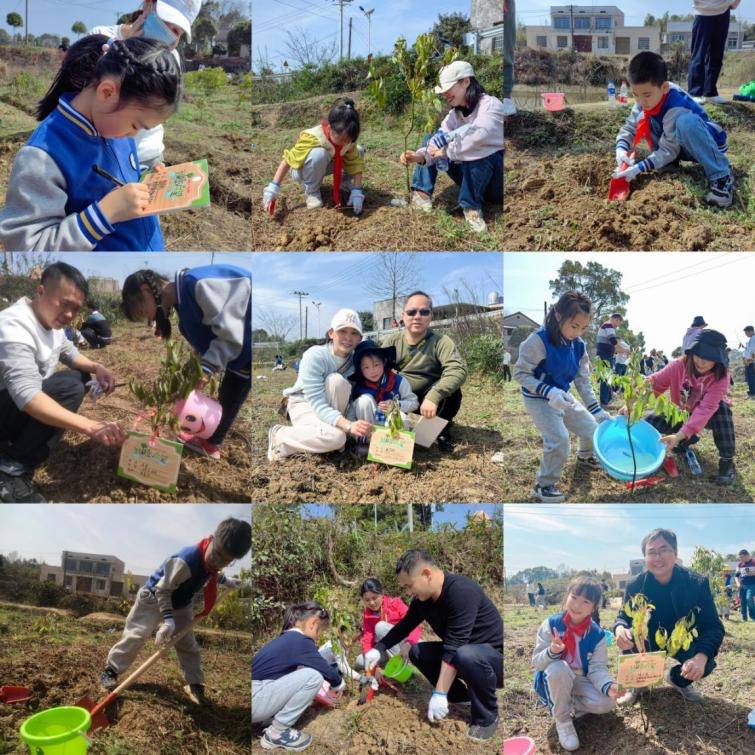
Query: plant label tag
{"x": 396, "y": 452}
{"x": 155, "y": 465}
{"x": 641, "y": 669}
{"x": 178, "y": 187}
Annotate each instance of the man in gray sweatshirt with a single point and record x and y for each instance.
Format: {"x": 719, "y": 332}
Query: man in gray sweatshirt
{"x": 38, "y": 403}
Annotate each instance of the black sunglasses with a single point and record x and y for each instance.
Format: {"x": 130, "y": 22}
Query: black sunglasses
{"x": 423, "y": 312}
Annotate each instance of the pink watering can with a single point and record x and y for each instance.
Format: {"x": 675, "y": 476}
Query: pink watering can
{"x": 519, "y": 746}
{"x": 553, "y": 101}
{"x": 198, "y": 415}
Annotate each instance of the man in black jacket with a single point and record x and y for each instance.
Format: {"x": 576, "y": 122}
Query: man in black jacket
{"x": 675, "y": 592}
{"x": 466, "y": 665}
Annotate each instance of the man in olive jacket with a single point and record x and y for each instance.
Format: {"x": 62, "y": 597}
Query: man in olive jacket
{"x": 429, "y": 361}
{"x": 675, "y": 592}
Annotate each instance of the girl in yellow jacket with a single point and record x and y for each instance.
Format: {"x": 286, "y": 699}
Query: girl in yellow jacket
{"x": 328, "y": 148}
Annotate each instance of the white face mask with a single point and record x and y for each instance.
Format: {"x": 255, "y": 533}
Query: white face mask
{"x": 155, "y": 28}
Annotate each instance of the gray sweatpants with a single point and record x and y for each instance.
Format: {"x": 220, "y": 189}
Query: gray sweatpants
{"x": 141, "y": 622}
{"x": 381, "y": 629}
{"x": 317, "y": 164}
{"x": 285, "y": 699}
{"x": 554, "y": 426}
{"x": 571, "y": 692}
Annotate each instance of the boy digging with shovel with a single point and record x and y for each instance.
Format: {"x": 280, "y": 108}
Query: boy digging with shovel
{"x": 166, "y": 603}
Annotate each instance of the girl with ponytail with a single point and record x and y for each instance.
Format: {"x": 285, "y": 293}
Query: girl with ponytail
{"x": 75, "y": 184}
{"x": 328, "y": 148}
{"x": 214, "y": 308}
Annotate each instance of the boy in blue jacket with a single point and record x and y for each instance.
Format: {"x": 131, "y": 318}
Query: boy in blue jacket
{"x": 287, "y": 673}
{"x": 675, "y": 128}
{"x": 166, "y": 603}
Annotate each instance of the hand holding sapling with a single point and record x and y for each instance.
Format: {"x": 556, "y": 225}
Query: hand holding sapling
{"x": 624, "y": 638}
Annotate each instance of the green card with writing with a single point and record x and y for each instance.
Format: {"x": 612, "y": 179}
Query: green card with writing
{"x": 156, "y": 465}
{"x": 397, "y": 452}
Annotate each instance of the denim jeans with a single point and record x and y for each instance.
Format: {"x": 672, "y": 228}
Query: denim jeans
{"x": 709, "y": 34}
{"x": 479, "y": 181}
{"x": 747, "y": 601}
{"x": 750, "y": 378}
{"x": 699, "y": 146}
{"x": 606, "y": 394}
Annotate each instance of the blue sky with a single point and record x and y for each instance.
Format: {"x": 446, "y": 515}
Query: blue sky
{"x": 320, "y": 19}
{"x": 536, "y": 12}
{"x": 667, "y": 290}
{"x": 57, "y": 16}
{"x": 607, "y": 536}
{"x": 453, "y": 513}
{"x": 341, "y": 280}
{"x": 142, "y": 536}
{"x": 120, "y": 265}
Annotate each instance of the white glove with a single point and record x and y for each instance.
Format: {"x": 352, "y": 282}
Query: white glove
{"x": 622, "y": 156}
{"x": 341, "y": 687}
{"x": 371, "y": 657}
{"x": 269, "y": 195}
{"x": 559, "y": 399}
{"x": 165, "y": 632}
{"x": 630, "y": 173}
{"x": 437, "y": 710}
{"x": 602, "y": 416}
{"x": 356, "y": 200}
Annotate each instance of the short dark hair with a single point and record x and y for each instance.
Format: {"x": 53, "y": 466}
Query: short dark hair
{"x": 371, "y": 585}
{"x": 419, "y": 293}
{"x": 55, "y": 272}
{"x": 409, "y": 561}
{"x": 234, "y": 536}
{"x": 748, "y": 327}
{"x": 744, "y": 552}
{"x": 302, "y": 611}
{"x": 667, "y": 535}
{"x": 589, "y": 589}
{"x": 617, "y": 315}
{"x": 648, "y": 68}
{"x": 568, "y": 305}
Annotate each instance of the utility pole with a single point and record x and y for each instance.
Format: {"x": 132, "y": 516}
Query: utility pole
{"x": 306, "y": 322}
{"x": 349, "y": 55}
{"x": 317, "y": 305}
{"x": 301, "y": 295}
{"x": 368, "y": 13}
{"x": 26, "y": 24}
{"x": 571, "y": 25}
{"x": 341, "y": 3}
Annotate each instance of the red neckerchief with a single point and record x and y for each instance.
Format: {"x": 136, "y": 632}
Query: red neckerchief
{"x": 337, "y": 167}
{"x": 211, "y": 588}
{"x": 383, "y": 612}
{"x": 382, "y": 389}
{"x": 643, "y": 127}
{"x": 572, "y": 632}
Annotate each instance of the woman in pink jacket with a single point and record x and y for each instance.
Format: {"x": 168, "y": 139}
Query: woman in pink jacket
{"x": 381, "y": 613}
{"x": 699, "y": 382}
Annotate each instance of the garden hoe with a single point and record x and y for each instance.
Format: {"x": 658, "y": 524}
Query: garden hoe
{"x": 97, "y": 711}
{"x": 14, "y": 694}
{"x": 618, "y": 189}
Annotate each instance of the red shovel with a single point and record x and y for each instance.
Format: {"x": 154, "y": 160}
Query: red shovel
{"x": 14, "y": 694}
{"x": 618, "y": 189}
{"x": 97, "y": 711}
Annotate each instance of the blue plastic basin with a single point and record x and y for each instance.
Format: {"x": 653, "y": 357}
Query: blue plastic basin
{"x": 614, "y": 452}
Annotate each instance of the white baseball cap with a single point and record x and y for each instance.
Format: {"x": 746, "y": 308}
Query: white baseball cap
{"x": 452, "y": 73}
{"x": 181, "y": 13}
{"x": 346, "y": 318}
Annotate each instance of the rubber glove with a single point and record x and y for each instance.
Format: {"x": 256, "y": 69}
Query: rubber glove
{"x": 356, "y": 200}
{"x": 270, "y": 195}
{"x": 559, "y": 399}
{"x": 437, "y": 710}
{"x": 602, "y": 416}
{"x": 630, "y": 173}
{"x": 622, "y": 156}
{"x": 371, "y": 657}
{"x": 165, "y": 632}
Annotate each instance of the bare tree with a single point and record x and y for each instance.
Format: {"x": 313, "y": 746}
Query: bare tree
{"x": 277, "y": 324}
{"x": 305, "y": 50}
{"x": 393, "y": 274}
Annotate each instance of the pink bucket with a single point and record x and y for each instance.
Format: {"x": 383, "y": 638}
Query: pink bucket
{"x": 198, "y": 415}
{"x": 553, "y": 101}
{"x": 519, "y": 746}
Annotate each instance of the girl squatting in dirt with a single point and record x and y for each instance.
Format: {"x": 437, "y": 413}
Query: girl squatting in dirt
{"x": 550, "y": 360}
{"x": 214, "y": 307}
{"x": 59, "y": 198}
{"x": 571, "y": 661}
{"x": 328, "y": 148}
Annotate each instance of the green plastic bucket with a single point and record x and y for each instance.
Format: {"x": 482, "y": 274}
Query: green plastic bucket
{"x": 399, "y": 669}
{"x": 57, "y": 731}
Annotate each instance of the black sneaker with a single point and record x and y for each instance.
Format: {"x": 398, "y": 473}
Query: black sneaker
{"x": 18, "y": 489}
{"x": 589, "y": 462}
{"x": 477, "y": 731}
{"x": 196, "y": 693}
{"x": 109, "y": 678}
{"x": 721, "y": 192}
{"x": 548, "y": 494}
{"x": 446, "y": 443}
{"x": 288, "y": 739}
{"x": 725, "y": 476}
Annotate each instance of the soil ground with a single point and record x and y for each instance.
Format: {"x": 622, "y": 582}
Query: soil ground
{"x": 83, "y": 471}
{"x": 380, "y": 226}
{"x": 213, "y": 126}
{"x": 558, "y": 168}
{"x": 717, "y": 726}
{"x": 464, "y": 475}
{"x": 522, "y": 447}
{"x": 60, "y": 659}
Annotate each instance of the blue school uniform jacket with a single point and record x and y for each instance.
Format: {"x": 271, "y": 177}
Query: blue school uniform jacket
{"x": 72, "y": 146}
{"x": 215, "y": 316}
